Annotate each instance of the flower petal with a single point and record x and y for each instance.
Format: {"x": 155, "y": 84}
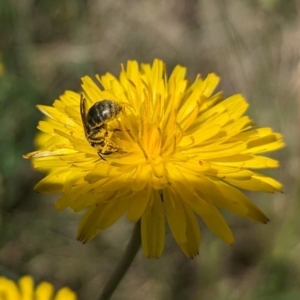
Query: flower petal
{"x": 65, "y": 294}
{"x": 175, "y": 215}
{"x": 235, "y": 201}
{"x": 193, "y": 234}
{"x": 140, "y": 201}
{"x": 153, "y": 228}
{"x": 44, "y": 291}
{"x": 208, "y": 213}
{"x": 9, "y": 289}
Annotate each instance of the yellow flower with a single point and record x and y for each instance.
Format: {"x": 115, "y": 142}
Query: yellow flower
{"x": 25, "y": 289}
{"x": 181, "y": 151}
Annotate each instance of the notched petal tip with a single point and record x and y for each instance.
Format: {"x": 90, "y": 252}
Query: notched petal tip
{"x": 192, "y": 255}
{"x": 81, "y": 240}
{"x": 30, "y": 154}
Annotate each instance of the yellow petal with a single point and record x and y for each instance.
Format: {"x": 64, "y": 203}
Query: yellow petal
{"x": 9, "y": 289}
{"x": 246, "y": 161}
{"x": 209, "y": 214}
{"x": 91, "y": 90}
{"x": 44, "y": 291}
{"x": 26, "y": 287}
{"x": 193, "y": 234}
{"x": 113, "y": 210}
{"x": 175, "y": 216}
{"x": 53, "y": 183}
{"x": 140, "y": 200}
{"x": 65, "y": 294}
{"x": 153, "y": 228}
{"x": 88, "y": 228}
{"x": 235, "y": 201}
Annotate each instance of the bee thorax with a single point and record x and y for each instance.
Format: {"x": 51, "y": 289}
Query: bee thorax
{"x": 102, "y": 112}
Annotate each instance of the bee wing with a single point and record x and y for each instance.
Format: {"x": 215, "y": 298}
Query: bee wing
{"x": 83, "y": 109}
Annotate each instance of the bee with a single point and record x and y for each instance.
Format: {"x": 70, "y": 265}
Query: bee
{"x": 95, "y": 121}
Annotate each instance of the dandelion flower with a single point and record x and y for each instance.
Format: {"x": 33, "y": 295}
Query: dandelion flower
{"x": 25, "y": 289}
{"x": 181, "y": 151}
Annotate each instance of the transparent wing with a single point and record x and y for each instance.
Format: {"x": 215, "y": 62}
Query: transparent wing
{"x": 83, "y": 109}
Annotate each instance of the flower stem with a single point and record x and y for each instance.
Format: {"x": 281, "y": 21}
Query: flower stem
{"x": 124, "y": 264}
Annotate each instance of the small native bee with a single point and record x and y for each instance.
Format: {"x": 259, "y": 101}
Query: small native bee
{"x": 95, "y": 124}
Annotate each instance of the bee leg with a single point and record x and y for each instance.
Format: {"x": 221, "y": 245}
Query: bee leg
{"x": 101, "y": 156}
{"x": 106, "y": 129}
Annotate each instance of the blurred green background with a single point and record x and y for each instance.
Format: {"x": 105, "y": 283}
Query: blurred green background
{"x": 46, "y": 46}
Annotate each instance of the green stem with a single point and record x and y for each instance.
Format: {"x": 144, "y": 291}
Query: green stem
{"x": 124, "y": 264}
